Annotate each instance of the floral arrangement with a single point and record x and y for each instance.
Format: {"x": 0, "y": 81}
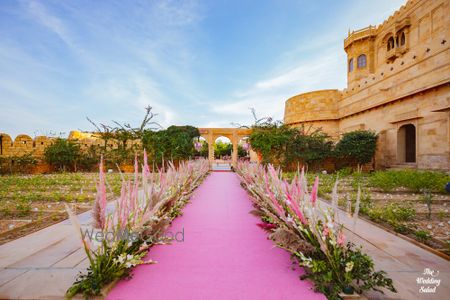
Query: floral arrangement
{"x": 122, "y": 236}
{"x": 198, "y": 146}
{"x": 296, "y": 222}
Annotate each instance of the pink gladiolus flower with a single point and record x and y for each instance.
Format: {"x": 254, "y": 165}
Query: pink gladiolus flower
{"x": 314, "y": 191}
{"x": 294, "y": 205}
{"x": 146, "y": 169}
{"x": 277, "y": 206}
{"x": 326, "y": 231}
{"x": 99, "y": 211}
{"x": 267, "y": 226}
{"x": 341, "y": 239}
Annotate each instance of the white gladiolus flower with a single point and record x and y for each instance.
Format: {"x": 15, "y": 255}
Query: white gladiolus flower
{"x": 349, "y": 266}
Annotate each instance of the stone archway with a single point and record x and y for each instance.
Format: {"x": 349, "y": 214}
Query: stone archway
{"x": 406, "y": 144}
{"x": 234, "y": 134}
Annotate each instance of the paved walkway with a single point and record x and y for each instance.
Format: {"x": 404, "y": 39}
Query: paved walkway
{"x": 221, "y": 167}
{"x": 402, "y": 260}
{"x": 42, "y": 265}
{"x": 224, "y": 254}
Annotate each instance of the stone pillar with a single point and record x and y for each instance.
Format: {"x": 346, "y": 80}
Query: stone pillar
{"x": 253, "y": 156}
{"x": 234, "y": 155}
{"x": 210, "y": 148}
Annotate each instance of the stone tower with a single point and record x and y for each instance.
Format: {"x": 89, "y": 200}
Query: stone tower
{"x": 360, "y": 49}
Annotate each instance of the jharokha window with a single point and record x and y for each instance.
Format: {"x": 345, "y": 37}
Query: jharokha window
{"x": 350, "y": 65}
{"x": 390, "y": 43}
{"x": 402, "y": 39}
{"x": 362, "y": 61}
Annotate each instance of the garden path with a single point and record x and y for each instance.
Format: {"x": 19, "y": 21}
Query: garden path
{"x": 224, "y": 254}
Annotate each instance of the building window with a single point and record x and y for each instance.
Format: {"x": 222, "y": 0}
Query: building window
{"x": 362, "y": 61}
{"x": 390, "y": 44}
{"x": 350, "y": 65}
{"x": 402, "y": 39}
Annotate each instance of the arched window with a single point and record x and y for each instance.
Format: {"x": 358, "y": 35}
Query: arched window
{"x": 350, "y": 65}
{"x": 402, "y": 39}
{"x": 390, "y": 43}
{"x": 362, "y": 61}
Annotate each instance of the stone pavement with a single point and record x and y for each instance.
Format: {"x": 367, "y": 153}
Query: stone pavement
{"x": 44, "y": 264}
{"x": 404, "y": 261}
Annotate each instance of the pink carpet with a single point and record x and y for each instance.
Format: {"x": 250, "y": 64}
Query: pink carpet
{"x": 224, "y": 254}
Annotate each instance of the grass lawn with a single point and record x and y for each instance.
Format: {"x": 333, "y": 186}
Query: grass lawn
{"x": 31, "y": 202}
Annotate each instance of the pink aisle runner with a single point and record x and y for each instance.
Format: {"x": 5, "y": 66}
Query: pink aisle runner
{"x": 224, "y": 254}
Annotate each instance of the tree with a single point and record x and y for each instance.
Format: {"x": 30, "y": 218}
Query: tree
{"x": 310, "y": 149}
{"x": 173, "y": 143}
{"x": 271, "y": 140}
{"x": 222, "y": 149}
{"x": 283, "y": 145}
{"x": 62, "y": 154}
{"x": 125, "y": 132}
{"x": 358, "y": 146}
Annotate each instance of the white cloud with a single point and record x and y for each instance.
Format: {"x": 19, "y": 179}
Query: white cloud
{"x": 51, "y": 22}
{"x": 317, "y": 63}
{"x": 268, "y": 95}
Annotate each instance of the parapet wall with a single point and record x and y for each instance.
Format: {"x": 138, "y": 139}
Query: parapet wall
{"x": 312, "y": 106}
{"x": 24, "y": 144}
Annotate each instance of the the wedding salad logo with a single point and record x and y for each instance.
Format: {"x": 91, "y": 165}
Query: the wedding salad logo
{"x": 429, "y": 281}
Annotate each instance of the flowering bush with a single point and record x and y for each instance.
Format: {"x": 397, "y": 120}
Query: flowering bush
{"x": 122, "y": 237}
{"x": 297, "y": 223}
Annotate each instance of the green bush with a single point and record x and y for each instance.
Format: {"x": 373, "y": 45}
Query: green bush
{"x": 393, "y": 214}
{"x": 270, "y": 140}
{"x": 17, "y": 164}
{"x": 398, "y": 212}
{"x": 62, "y": 154}
{"x": 88, "y": 159}
{"x": 283, "y": 145}
{"x": 416, "y": 181}
{"x": 357, "y": 146}
{"x": 23, "y": 208}
{"x": 422, "y": 235}
{"x": 344, "y": 172}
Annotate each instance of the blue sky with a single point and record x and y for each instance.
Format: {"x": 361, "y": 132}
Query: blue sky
{"x": 202, "y": 63}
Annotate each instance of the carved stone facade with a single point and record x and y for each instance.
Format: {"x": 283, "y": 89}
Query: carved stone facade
{"x": 398, "y": 84}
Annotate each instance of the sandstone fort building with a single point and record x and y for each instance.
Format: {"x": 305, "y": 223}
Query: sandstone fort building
{"x": 398, "y": 84}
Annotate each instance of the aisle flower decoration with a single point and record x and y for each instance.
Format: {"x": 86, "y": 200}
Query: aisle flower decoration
{"x": 297, "y": 222}
{"x": 124, "y": 231}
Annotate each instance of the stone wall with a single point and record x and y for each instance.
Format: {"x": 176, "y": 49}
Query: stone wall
{"x": 318, "y": 108}
{"x": 23, "y": 144}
